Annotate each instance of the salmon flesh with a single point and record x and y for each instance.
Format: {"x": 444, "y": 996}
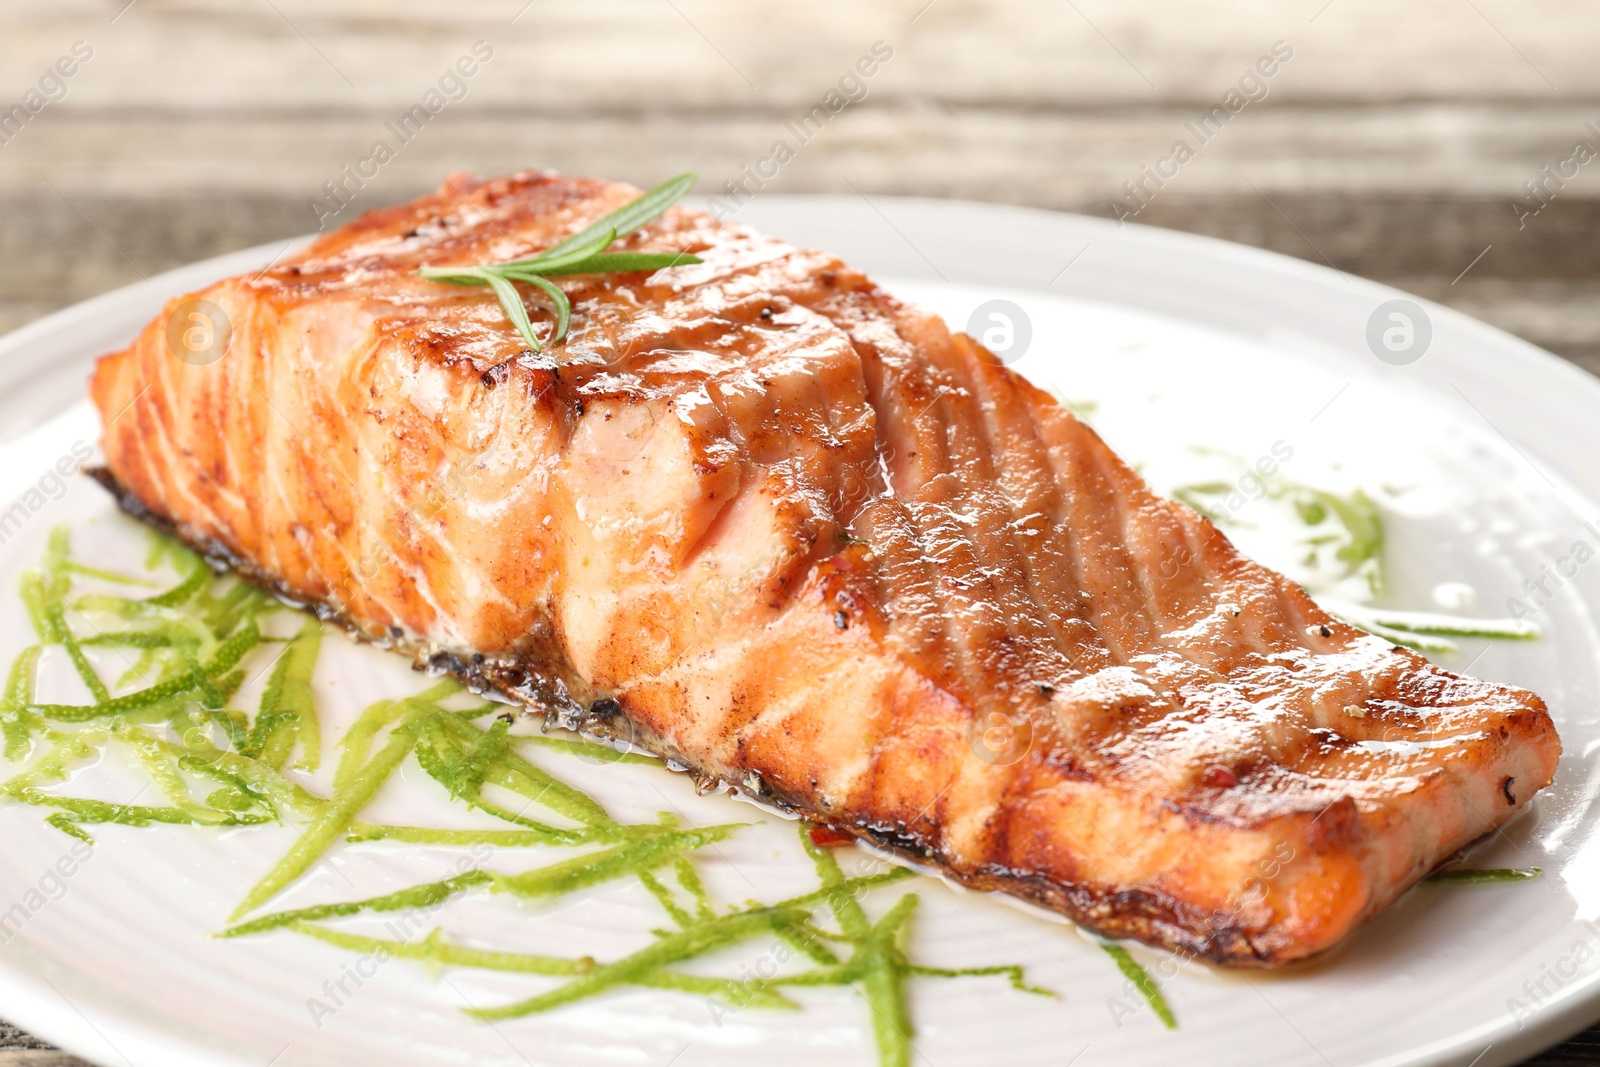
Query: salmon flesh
{"x": 758, "y": 516}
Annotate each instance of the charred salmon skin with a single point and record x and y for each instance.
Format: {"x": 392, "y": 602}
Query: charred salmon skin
{"x": 756, "y": 515}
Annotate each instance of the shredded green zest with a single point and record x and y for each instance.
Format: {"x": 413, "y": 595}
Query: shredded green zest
{"x": 501, "y": 766}
{"x": 63, "y": 822}
{"x": 80, "y": 809}
{"x": 146, "y": 640}
{"x": 589, "y": 750}
{"x": 18, "y": 723}
{"x": 674, "y": 947}
{"x": 689, "y": 879}
{"x": 1360, "y": 543}
{"x": 1135, "y": 973}
{"x": 164, "y": 768}
{"x": 418, "y": 896}
{"x": 1348, "y": 529}
{"x": 197, "y": 578}
{"x": 1430, "y": 632}
{"x": 48, "y": 610}
{"x": 72, "y": 566}
{"x": 877, "y": 965}
{"x": 1344, "y": 528}
{"x": 196, "y": 679}
{"x": 629, "y": 858}
{"x": 1484, "y": 875}
{"x": 197, "y": 640}
{"x": 56, "y": 762}
{"x": 197, "y": 754}
{"x": 436, "y": 949}
{"x": 331, "y": 822}
{"x": 423, "y": 835}
{"x": 357, "y": 743}
{"x": 288, "y": 711}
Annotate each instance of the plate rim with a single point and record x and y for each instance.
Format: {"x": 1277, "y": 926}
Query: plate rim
{"x": 1576, "y": 1006}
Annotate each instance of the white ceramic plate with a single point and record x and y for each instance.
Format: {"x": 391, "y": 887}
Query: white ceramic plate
{"x": 1488, "y": 453}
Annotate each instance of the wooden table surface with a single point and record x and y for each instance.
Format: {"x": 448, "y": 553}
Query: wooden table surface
{"x": 1432, "y": 145}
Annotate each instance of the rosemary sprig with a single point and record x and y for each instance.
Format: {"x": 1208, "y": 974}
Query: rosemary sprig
{"x": 582, "y": 253}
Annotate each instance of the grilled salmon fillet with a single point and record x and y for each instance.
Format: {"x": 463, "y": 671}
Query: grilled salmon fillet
{"x": 761, "y": 517}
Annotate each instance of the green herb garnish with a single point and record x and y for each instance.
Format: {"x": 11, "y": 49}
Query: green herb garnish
{"x": 877, "y": 964}
{"x": 437, "y": 950}
{"x": 641, "y": 855}
{"x": 582, "y": 253}
{"x": 1428, "y": 632}
{"x": 1348, "y": 530}
{"x": 216, "y": 765}
{"x": 426, "y": 895}
{"x": 1484, "y": 875}
{"x": 331, "y": 822}
{"x": 1140, "y": 978}
{"x": 287, "y": 712}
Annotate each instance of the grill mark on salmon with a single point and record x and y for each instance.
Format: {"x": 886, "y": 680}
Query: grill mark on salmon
{"x": 807, "y": 541}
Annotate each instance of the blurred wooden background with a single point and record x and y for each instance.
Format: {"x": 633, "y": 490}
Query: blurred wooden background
{"x": 1394, "y": 144}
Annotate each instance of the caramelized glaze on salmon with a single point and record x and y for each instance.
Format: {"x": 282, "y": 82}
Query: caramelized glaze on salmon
{"x": 763, "y": 518}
